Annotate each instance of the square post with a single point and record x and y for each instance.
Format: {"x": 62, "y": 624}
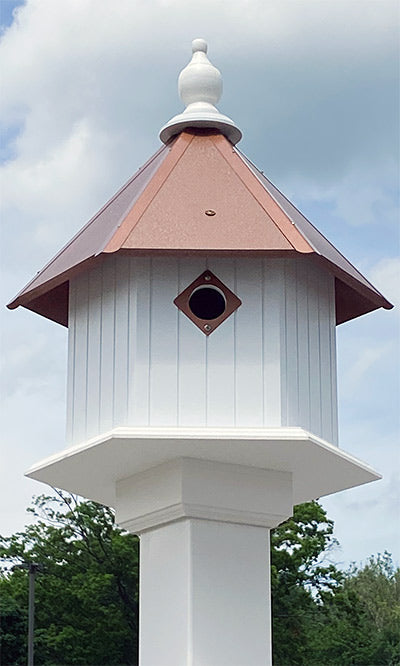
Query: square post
{"x": 205, "y": 595}
{"x": 204, "y": 559}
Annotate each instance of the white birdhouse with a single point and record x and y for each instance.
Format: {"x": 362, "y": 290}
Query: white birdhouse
{"x": 201, "y": 308}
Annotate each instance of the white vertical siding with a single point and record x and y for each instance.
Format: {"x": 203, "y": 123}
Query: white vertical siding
{"x": 274, "y": 364}
{"x": 163, "y": 343}
{"x": 135, "y": 359}
{"x": 93, "y": 354}
{"x": 333, "y": 368}
{"x": 249, "y": 366}
{"x": 315, "y": 362}
{"x": 309, "y": 336}
{"x": 290, "y": 397}
{"x": 303, "y": 345}
{"x": 121, "y": 341}
{"x": 221, "y": 356}
{"x": 107, "y": 345}
{"x": 80, "y": 365}
{"x": 138, "y": 361}
{"x": 324, "y": 284}
{"x": 71, "y": 363}
{"x": 192, "y": 353}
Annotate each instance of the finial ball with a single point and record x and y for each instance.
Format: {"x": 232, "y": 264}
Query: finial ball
{"x": 200, "y": 88}
{"x": 199, "y": 45}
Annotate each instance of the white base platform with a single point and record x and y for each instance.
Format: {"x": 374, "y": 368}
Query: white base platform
{"x": 203, "y": 501}
{"x": 93, "y": 468}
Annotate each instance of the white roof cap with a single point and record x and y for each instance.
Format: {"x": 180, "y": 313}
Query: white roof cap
{"x": 200, "y": 88}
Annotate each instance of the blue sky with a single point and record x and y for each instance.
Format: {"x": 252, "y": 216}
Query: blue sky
{"x": 6, "y": 12}
{"x": 314, "y": 88}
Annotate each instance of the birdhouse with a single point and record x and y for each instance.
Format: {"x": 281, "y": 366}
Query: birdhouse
{"x": 201, "y": 308}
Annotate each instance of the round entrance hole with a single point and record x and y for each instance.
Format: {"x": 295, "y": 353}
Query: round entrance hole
{"x": 207, "y": 303}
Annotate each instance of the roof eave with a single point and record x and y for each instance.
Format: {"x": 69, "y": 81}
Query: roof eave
{"x": 353, "y": 298}
{"x": 50, "y": 299}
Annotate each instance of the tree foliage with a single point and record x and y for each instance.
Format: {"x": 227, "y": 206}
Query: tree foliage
{"x": 298, "y": 577}
{"x": 360, "y": 623}
{"x": 321, "y": 615}
{"x": 87, "y": 594}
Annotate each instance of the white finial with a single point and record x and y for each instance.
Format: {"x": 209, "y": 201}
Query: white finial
{"x": 199, "y": 45}
{"x": 200, "y": 88}
{"x": 200, "y": 82}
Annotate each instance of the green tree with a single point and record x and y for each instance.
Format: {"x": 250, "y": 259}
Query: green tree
{"x": 360, "y": 623}
{"x": 87, "y": 595}
{"x": 299, "y": 576}
{"x": 13, "y": 628}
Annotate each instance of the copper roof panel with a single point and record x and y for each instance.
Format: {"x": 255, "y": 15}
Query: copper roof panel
{"x": 92, "y": 238}
{"x": 197, "y": 194}
{"x": 202, "y": 182}
{"x": 320, "y": 244}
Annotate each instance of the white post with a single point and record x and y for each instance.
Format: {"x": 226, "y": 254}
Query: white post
{"x": 205, "y": 595}
{"x": 204, "y": 560}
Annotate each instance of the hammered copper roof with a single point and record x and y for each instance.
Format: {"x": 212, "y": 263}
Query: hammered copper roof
{"x": 162, "y": 209}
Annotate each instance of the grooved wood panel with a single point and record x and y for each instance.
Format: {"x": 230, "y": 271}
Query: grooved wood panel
{"x": 221, "y": 356}
{"x": 310, "y": 350}
{"x": 192, "y": 362}
{"x": 138, "y": 361}
{"x": 274, "y": 364}
{"x": 164, "y": 357}
{"x": 69, "y": 433}
{"x": 80, "y": 365}
{"x": 303, "y": 350}
{"x": 135, "y": 359}
{"x": 121, "y": 341}
{"x": 107, "y": 348}
{"x": 93, "y": 413}
{"x": 249, "y": 345}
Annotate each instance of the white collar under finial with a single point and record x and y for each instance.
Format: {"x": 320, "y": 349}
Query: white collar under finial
{"x": 200, "y": 88}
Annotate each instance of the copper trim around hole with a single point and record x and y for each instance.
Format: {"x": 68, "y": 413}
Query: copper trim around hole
{"x": 207, "y": 279}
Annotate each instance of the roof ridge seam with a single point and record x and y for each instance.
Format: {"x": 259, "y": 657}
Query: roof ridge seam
{"x": 142, "y": 194}
{"x": 258, "y": 201}
{"x": 129, "y": 182}
{"x": 245, "y": 158}
{"x": 288, "y": 217}
{"x": 88, "y": 223}
{"x": 124, "y": 186}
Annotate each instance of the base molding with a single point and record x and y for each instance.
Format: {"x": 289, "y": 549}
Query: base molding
{"x": 94, "y": 467}
{"x": 192, "y": 488}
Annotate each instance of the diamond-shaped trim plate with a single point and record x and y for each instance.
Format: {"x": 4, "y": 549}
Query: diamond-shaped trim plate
{"x": 207, "y": 326}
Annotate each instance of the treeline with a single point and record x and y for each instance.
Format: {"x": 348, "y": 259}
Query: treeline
{"x": 87, "y": 592}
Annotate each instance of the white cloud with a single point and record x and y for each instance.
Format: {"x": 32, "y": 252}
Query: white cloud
{"x": 87, "y": 83}
{"x": 65, "y": 54}
{"x": 363, "y": 194}
{"x": 363, "y": 532}
{"x": 363, "y": 197}
{"x": 55, "y": 190}
{"x": 363, "y": 365}
{"x": 89, "y": 88}
{"x": 75, "y": 62}
{"x": 386, "y": 276}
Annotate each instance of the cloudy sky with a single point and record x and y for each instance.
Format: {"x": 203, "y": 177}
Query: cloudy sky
{"x": 313, "y": 84}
